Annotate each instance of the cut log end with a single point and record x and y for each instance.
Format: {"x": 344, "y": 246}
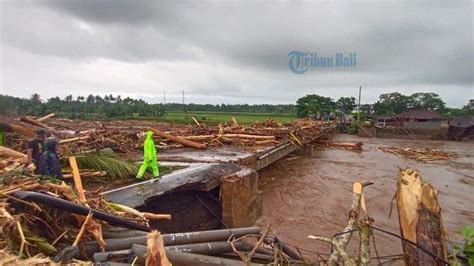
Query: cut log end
{"x": 420, "y": 219}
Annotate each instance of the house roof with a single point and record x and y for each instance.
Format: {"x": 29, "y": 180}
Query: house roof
{"x": 419, "y": 114}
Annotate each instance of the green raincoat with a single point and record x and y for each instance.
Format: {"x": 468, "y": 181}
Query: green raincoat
{"x": 149, "y": 157}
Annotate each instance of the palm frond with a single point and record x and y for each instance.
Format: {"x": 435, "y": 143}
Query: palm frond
{"x": 107, "y": 161}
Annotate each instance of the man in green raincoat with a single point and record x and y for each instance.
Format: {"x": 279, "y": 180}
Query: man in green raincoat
{"x": 149, "y": 156}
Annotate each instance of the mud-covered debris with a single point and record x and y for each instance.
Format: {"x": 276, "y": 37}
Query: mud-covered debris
{"x": 423, "y": 155}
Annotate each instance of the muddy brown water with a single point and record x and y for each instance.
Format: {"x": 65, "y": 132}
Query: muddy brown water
{"x": 311, "y": 195}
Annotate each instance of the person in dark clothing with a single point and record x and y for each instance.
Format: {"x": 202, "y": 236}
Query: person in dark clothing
{"x": 36, "y": 148}
{"x": 49, "y": 163}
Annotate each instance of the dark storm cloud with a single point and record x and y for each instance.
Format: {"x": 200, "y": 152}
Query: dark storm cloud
{"x": 231, "y": 48}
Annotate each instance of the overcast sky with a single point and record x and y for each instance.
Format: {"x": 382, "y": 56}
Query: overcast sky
{"x": 235, "y": 52}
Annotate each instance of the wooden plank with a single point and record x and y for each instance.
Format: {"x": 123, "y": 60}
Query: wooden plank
{"x": 77, "y": 179}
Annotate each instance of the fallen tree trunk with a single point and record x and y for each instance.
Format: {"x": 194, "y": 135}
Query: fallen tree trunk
{"x": 35, "y": 122}
{"x": 11, "y": 153}
{"x": 265, "y": 142}
{"x": 179, "y": 140}
{"x": 420, "y": 220}
{"x": 26, "y": 131}
{"x": 246, "y": 136}
{"x": 45, "y": 117}
{"x": 73, "y": 139}
{"x": 88, "y": 174}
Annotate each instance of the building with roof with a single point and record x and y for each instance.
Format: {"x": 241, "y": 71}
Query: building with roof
{"x": 418, "y": 119}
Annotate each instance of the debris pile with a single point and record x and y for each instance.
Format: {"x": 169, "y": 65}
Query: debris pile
{"x": 78, "y": 136}
{"x": 43, "y": 220}
{"x": 423, "y": 155}
{"x": 342, "y": 145}
{"x": 44, "y": 217}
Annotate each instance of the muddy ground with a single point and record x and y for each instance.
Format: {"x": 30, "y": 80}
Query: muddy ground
{"x": 311, "y": 194}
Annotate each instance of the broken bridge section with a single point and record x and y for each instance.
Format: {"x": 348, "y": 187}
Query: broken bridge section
{"x": 217, "y": 190}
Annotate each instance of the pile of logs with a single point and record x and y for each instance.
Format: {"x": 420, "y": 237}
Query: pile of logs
{"x": 342, "y": 145}
{"x": 127, "y": 136}
{"x": 423, "y": 155}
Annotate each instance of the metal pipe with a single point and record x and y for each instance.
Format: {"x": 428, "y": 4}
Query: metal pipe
{"x": 76, "y": 208}
{"x": 209, "y": 248}
{"x": 121, "y": 233}
{"x": 178, "y": 258}
{"x": 90, "y": 248}
{"x": 287, "y": 249}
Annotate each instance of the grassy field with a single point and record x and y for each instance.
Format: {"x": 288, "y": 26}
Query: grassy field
{"x": 218, "y": 117}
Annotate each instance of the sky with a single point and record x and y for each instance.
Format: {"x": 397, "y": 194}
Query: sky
{"x": 235, "y": 51}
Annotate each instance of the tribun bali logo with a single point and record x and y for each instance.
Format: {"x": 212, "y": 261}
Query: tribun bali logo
{"x": 300, "y": 62}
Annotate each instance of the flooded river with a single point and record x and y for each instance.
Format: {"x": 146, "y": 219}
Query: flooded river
{"x": 312, "y": 194}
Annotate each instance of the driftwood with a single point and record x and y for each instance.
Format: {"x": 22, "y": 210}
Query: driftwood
{"x": 424, "y": 155}
{"x": 23, "y": 130}
{"x": 73, "y": 139}
{"x": 420, "y": 219}
{"x": 234, "y": 121}
{"x": 12, "y": 153}
{"x": 179, "y": 140}
{"x": 88, "y": 174}
{"x": 342, "y": 145}
{"x": 32, "y": 121}
{"x": 343, "y": 240}
{"x": 247, "y": 136}
{"x": 45, "y": 117}
{"x": 156, "y": 253}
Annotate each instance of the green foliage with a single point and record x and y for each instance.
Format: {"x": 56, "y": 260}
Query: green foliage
{"x": 346, "y": 104}
{"x": 427, "y": 101}
{"x": 42, "y": 244}
{"x": 219, "y": 117}
{"x": 468, "y": 249}
{"x": 397, "y": 103}
{"x": 392, "y": 103}
{"x": 90, "y": 107}
{"x": 312, "y": 104}
{"x": 106, "y": 160}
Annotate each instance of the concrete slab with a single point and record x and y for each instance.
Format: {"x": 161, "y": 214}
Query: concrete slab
{"x": 202, "y": 178}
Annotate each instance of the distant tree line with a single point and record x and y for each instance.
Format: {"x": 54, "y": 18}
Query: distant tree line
{"x": 80, "y": 107}
{"x": 388, "y": 104}
{"x": 108, "y": 106}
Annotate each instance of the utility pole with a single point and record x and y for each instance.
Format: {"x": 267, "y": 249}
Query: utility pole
{"x": 184, "y": 108}
{"x": 358, "y": 109}
{"x": 164, "y": 97}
